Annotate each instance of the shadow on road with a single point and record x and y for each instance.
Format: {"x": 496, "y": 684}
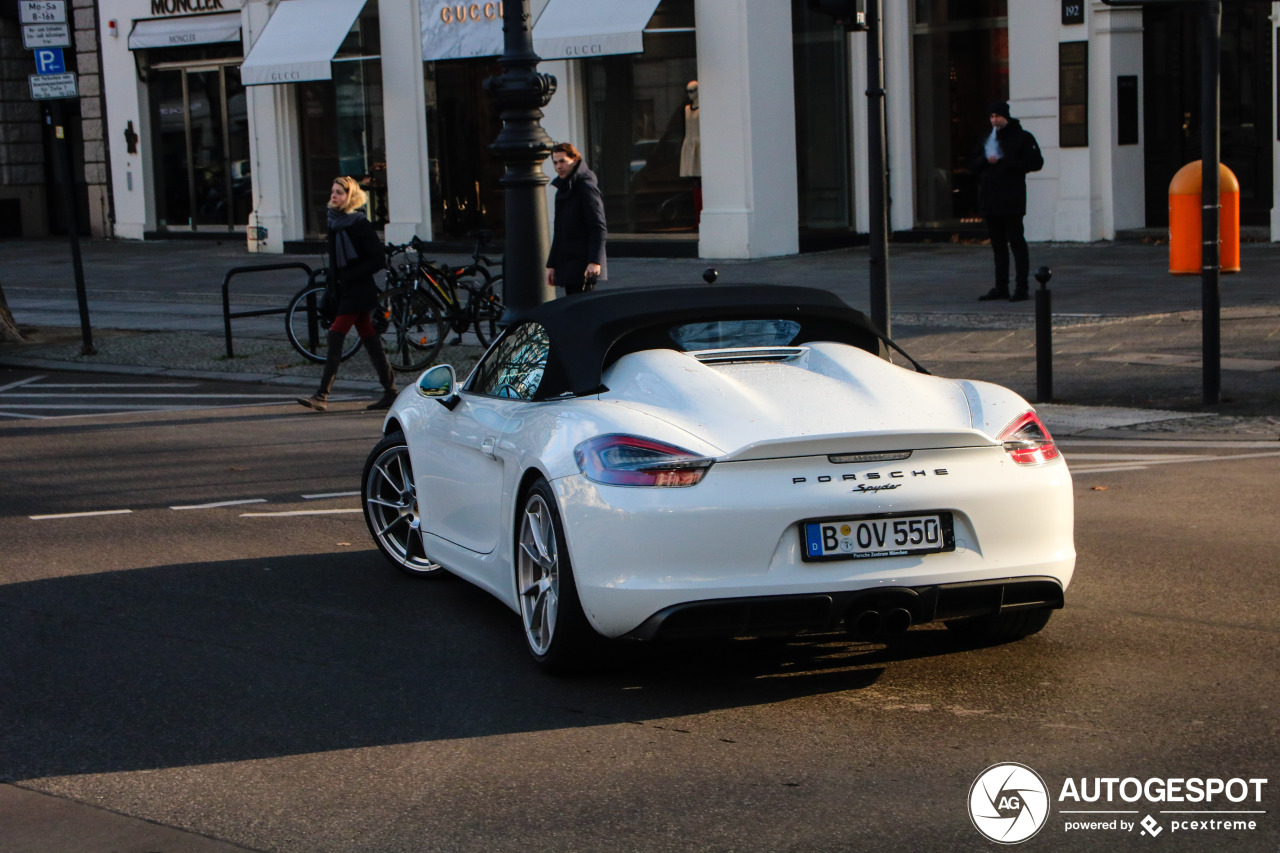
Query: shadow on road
{"x": 191, "y": 664}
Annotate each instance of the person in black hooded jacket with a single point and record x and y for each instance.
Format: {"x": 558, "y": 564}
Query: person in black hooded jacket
{"x": 1001, "y": 164}
{"x": 355, "y": 254}
{"x": 576, "y": 260}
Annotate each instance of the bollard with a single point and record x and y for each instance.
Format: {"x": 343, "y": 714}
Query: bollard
{"x": 1185, "y": 215}
{"x": 1044, "y": 338}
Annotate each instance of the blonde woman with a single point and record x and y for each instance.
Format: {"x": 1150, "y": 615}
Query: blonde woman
{"x": 355, "y": 254}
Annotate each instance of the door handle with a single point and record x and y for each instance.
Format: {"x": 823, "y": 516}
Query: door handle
{"x": 488, "y": 445}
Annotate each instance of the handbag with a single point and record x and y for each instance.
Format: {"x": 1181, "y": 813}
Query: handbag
{"x": 328, "y": 305}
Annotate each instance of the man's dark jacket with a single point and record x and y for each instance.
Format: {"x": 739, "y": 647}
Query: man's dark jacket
{"x": 1002, "y": 187}
{"x": 580, "y": 228}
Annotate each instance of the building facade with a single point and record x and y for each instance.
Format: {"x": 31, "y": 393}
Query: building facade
{"x": 226, "y": 114}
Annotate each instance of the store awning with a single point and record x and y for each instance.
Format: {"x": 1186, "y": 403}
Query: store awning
{"x": 581, "y": 29}
{"x": 185, "y": 30}
{"x": 299, "y": 41}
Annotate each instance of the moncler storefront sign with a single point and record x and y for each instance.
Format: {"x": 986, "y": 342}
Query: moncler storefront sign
{"x": 184, "y": 7}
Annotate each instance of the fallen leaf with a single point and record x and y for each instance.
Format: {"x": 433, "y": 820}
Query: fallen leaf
{"x": 1100, "y": 488}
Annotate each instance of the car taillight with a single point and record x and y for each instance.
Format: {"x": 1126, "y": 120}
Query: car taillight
{"x": 1027, "y": 440}
{"x": 627, "y": 460}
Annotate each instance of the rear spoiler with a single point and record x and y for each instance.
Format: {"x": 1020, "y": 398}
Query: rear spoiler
{"x": 855, "y": 443}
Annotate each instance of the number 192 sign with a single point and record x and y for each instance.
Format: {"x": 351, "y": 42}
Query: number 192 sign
{"x": 1073, "y": 11}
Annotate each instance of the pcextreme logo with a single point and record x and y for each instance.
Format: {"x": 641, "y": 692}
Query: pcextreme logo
{"x": 1009, "y": 803}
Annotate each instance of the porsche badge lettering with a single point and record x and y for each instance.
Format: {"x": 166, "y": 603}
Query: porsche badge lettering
{"x": 873, "y": 475}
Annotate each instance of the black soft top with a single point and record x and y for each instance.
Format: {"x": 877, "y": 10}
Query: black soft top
{"x": 590, "y": 331}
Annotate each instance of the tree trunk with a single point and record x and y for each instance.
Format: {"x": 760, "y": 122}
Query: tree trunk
{"x": 8, "y": 328}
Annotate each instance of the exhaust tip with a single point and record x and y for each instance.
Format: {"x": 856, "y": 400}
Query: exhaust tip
{"x": 897, "y": 621}
{"x": 864, "y": 625}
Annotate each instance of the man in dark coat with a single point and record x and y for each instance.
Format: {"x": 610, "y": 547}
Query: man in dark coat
{"x": 1001, "y": 164}
{"x": 577, "y": 258}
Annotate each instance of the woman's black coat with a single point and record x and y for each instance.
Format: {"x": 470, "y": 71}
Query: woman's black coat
{"x": 1002, "y": 190}
{"x": 580, "y": 228}
{"x": 357, "y": 291}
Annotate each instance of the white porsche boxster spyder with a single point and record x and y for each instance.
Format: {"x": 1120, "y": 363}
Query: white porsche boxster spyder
{"x": 722, "y": 461}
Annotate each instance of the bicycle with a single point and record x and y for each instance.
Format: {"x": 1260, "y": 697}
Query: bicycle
{"x": 306, "y": 327}
{"x": 411, "y": 323}
{"x": 425, "y": 299}
{"x": 483, "y": 298}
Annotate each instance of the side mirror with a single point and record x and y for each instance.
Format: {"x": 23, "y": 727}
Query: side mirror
{"x": 440, "y": 383}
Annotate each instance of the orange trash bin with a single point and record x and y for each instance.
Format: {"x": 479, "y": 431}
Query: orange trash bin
{"x": 1185, "y": 243}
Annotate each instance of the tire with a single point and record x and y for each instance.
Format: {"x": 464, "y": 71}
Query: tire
{"x": 303, "y": 326}
{"x": 1001, "y": 628}
{"x": 412, "y": 327}
{"x": 489, "y": 311}
{"x": 389, "y": 496}
{"x": 556, "y": 630}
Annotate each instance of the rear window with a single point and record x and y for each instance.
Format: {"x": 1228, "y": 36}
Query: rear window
{"x": 732, "y": 334}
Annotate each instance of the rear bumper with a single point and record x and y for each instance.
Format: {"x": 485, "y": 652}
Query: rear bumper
{"x": 644, "y": 554}
{"x": 820, "y": 613}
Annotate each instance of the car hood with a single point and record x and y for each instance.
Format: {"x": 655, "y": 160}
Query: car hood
{"x": 796, "y": 401}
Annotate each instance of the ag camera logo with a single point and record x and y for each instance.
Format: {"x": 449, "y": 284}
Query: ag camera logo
{"x": 1008, "y": 803}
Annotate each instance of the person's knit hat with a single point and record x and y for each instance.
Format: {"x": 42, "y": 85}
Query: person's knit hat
{"x": 1000, "y": 108}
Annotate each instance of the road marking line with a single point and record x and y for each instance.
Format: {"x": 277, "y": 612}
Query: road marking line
{"x": 20, "y": 383}
{"x": 29, "y": 417}
{"x": 331, "y": 495}
{"x": 1133, "y": 457}
{"x": 222, "y": 503}
{"x": 81, "y": 514}
{"x": 1247, "y": 444}
{"x": 62, "y": 385}
{"x": 297, "y": 512}
{"x": 31, "y": 394}
{"x": 122, "y": 408}
{"x": 1127, "y": 464}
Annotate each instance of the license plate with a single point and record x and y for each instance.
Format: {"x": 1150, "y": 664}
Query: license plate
{"x": 867, "y": 536}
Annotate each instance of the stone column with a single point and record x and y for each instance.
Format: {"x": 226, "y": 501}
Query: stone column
{"x": 405, "y": 116}
{"x": 747, "y": 101}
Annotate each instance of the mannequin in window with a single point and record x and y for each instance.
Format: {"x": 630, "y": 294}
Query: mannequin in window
{"x": 691, "y": 149}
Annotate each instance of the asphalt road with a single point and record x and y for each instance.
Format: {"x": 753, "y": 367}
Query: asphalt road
{"x": 186, "y": 670}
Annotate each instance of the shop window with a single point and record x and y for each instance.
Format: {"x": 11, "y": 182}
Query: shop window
{"x": 640, "y": 133}
{"x": 461, "y": 124}
{"x": 200, "y": 136}
{"x": 960, "y": 54}
{"x": 343, "y": 128}
{"x": 821, "y": 61}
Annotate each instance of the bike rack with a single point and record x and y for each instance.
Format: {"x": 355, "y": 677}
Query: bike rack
{"x": 227, "y": 314}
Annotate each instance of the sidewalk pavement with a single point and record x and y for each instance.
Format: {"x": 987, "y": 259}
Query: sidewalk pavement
{"x": 1127, "y": 336}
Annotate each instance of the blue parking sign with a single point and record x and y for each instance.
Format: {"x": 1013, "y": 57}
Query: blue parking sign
{"x": 49, "y": 60}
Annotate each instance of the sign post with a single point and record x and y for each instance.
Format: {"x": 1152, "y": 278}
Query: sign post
{"x": 45, "y": 32}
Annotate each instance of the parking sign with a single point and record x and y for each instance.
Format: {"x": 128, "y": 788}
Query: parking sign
{"x": 49, "y": 60}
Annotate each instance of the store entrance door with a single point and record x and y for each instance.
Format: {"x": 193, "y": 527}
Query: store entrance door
{"x": 960, "y": 53}
{"x": 1171, "y": 67}
{"x": 200, "y": 136}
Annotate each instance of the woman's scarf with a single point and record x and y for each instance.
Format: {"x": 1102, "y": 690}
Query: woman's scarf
{"x": 344, "y": 250}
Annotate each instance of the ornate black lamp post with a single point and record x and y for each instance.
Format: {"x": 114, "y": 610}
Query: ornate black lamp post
{"x": 520, "y": 93}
